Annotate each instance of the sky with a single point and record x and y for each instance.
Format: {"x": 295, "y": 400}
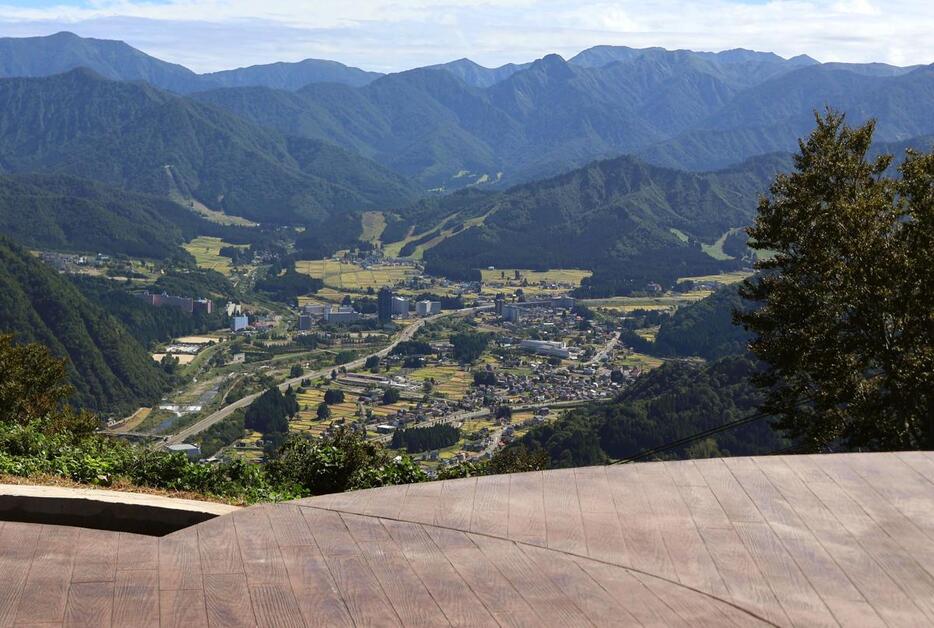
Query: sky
{"x": 392, "y": 35}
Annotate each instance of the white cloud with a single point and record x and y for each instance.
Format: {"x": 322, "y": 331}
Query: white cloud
{"x": 397, "y": 34}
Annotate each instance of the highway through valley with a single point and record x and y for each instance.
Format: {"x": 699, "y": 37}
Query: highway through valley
{"x": 406, "y": 334}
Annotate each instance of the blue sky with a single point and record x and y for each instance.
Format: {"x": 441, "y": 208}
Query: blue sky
{"x": 389, "y": 35}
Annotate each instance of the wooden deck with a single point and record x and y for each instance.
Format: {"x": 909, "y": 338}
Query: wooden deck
{"x": 802, "y": 540}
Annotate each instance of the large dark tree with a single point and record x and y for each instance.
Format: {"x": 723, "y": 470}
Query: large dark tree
{"x": 846, "y": 323}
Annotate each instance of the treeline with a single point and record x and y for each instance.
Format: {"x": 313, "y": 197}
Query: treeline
{"x": 705, "y": 328}
{"x": 269, "y": 413}
{"x": 672, "y": 402}
{"x": 469, "y": 346}
{"x": 289, "y": 285}
{"x": 107, "y": 366}
{"x": 195, "y": 282}
{"x": 147, "y": 324}
{"x": 221, "y": 434}
{"x": 412, "y": 347}
{"x": 418, "y": 439}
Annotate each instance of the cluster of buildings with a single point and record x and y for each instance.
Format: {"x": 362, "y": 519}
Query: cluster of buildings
{"x": 389, "y": 305}
{"x": 185, "y": 304}
{"x": 66, "y": 262}
{"x": 514, "y": 312}
{"x": 546, "y": 347}
{"x": 545, "y": 385}
{"x": 312, "y": 313}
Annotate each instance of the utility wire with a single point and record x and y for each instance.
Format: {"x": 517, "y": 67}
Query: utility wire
{"x": 688, "y": 439}
{"x": 752, "y": 418}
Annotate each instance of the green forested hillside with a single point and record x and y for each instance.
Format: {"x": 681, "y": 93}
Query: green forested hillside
{"x": 614, "y": 217}
{"x": 66, "y": 213}
{"x": 705, "y": 328}
{"x": 107, "y": 366}
{"x": 289, "y": 76}
{"x": 133, "y": 135}
{"x": 771, "y": 116}
{"x": 146, "y": 324}
{"x": 680, "y": 109}
{"x": 672, "y": 402}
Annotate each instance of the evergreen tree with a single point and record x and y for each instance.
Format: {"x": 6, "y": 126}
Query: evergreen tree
{"x": 846, "y": 323}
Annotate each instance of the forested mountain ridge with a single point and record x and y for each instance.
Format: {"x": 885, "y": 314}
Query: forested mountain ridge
{"x": 61, "y": 212}
{"x": 771, "y": 116}
{"x": 457, "y": 124}
{"x": 289, "y": 76}
{"x": 107, "y": 366}
{"x": 116, "y": 60}
{"x": 681, "y": 109}
{"x": 614, "y": 217}
{"x": 543, "y": 119}
{"x": 133, "y": 135}
{"x": 64, "y": 51}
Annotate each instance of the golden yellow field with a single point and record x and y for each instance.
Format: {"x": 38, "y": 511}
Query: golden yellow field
{"x": 345, "y": 276}
{"x": 725, "y": 278}
{"x": 307, "y": 420}
{"x": 450, "y": 381}
{"x": 206, "y": 251}
{"x": 628, "y": 304}
{"x": 567, "y": 276}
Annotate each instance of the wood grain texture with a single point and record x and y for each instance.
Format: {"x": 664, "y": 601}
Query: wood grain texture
{"x": 136, "y": 598}
{"x": 789, "y": 540}
{"x": 227, "y": 600}
{"x": 90, "y": 604}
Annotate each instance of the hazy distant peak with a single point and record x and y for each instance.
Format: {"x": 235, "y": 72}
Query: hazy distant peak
{"x": 803, "y": 60}
{"x": 477, "y": 75}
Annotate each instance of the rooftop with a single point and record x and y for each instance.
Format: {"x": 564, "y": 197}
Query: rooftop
{"x": 795, "y": 540}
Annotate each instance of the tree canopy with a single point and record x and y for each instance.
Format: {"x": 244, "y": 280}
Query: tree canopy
{"x": 846, "y": 323}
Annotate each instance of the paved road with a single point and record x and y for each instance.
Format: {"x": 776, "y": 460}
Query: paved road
{"x": 405, "y": 334}
{"x": 605, "y": 350}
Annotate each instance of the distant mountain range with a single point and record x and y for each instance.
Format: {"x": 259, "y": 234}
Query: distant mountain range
{"x": 135, "y": 136}
{"x": 679, "y": 109}
{"x": 459, "y": 124}
{"x": 61, "y": 52}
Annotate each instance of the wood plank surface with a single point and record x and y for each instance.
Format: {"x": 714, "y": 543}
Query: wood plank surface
{"x": 787, "y": 540}
{"x": 460, "y": 605}
{"x": 136, "y": 598}
{"x": 182, "y": 609}
{"x": 227, "y": 600}
{"x": 90, "y": 604}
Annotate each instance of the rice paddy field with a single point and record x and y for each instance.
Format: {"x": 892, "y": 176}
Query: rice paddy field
{"x": 665, "y": 302}
{"x": 340, "y": 275}
{"x": 307, "y": 421}
{"x": 567, "y": 276}
{"x": 206, "y": 251}
{"x": 640, "y": 360}
{"x": 450, "y": 381}
{"x": 725, "y": 278}
{"x": 648, "y": 333}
